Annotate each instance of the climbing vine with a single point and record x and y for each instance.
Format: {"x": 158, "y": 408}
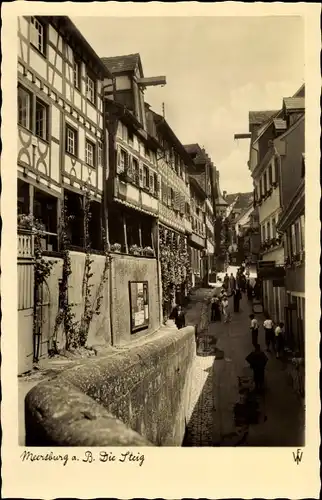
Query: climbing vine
{"x": 42, "y": 267}
{"x": 175, "y": 266}
{"x": 65, "y": 316}
{"x": 76, "y": 332}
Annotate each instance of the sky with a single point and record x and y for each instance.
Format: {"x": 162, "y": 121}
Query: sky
{"x": 217, "y": 70}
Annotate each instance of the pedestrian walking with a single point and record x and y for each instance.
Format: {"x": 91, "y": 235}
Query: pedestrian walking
{"x": 225, "y": 309}
{"x": 257, "y": 360}
{"x": 279, "y": 339}
{"x": 237, "y": 297}
{"x": 232, "y": 281}
{"x": 254, "y": 329}
{"x": 215, "y": 309}
{"x": 226, "y": 282}
{"x": 178, "y": 316}
{"x": 269, "y": 332}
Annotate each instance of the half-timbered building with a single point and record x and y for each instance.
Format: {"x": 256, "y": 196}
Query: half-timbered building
{"x": 60, "y": 125}
{"x": 60, "y": 160}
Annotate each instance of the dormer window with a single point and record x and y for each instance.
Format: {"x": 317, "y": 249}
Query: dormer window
{"x": 90, "y": 89}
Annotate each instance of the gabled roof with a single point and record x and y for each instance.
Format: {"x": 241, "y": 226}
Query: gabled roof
{"x": 230, "y": 198}
{"x": 260, "y": 117}
{"x": 243, "y": 201}
{"x": 78, "y": 43}
{"x": 198, "y": 154}
{"x": 240, "y": 200}
{"x": 120, "y": 64}
{"x": 161, "y": 122}
{"x": 294, "y": 103}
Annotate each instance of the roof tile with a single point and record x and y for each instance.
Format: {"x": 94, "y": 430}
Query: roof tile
{"x": 118, "y": 64}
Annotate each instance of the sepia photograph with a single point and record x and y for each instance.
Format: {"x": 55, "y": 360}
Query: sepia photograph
{"x": 160, "y": 235}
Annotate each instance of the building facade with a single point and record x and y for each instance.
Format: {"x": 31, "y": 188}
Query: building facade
{"x": 202, "y": 192}
{"x": 60, "y": 162}
{"x": 291, "y": 147}
{"x": 270, "y": 180}
{"x": 174, "y": 215}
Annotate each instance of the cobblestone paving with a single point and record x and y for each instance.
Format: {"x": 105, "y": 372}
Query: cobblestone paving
{"x": 199, "y": 429}
{"x": 216, "y": 390}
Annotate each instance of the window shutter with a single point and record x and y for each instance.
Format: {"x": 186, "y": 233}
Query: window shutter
{"x": 118, "y": 160}
{"x": 294, "y": 250}
{"x": 151, "y": 183}
{"x": 126, "y": 162}
{"x": 176, "y": 200}
{"x": 141, "y": 175}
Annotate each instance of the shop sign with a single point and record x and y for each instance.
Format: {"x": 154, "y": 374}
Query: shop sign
{"x": 139, "y": 305}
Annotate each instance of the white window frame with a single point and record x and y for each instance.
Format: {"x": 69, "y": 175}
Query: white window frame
{"x": 37, "y": 34}
{"x": 146, "y": 176}
{"x": 41, "y": 119}
{"x": 24, "y": 108}
{"x": 90, "y": 89}
{"x": 71, "y": 142}
{"x": 77, "y": 74}
{"x": 89, "y": 153}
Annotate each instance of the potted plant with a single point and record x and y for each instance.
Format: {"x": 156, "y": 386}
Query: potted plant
{"x": 148, "y": 251}
{"x": 116, "y": 247}
{"x": 135, "y": 250}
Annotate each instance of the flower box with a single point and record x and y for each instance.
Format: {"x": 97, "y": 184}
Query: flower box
{"x": 116, "y": 247}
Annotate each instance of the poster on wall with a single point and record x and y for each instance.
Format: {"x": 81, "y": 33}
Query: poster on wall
{"x": 139, "y": 305}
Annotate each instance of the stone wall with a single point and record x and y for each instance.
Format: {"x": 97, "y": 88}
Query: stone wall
{"x": 126, "y": 268}
{"x": 138, "y": 396}
{"x": 99, "y": 332}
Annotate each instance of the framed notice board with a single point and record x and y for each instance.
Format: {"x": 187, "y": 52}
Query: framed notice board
{"x": 139, "y": 305}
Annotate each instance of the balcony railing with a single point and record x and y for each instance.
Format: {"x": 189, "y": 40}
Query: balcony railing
{"x": 25, "y": 244}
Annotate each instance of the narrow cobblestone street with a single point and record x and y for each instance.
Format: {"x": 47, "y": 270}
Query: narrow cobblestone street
{"x": 276, "y": 419}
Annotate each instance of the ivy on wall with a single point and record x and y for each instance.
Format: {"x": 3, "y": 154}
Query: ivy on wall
{"x": 76, "y": 332}
{"x": 175, "y": 266}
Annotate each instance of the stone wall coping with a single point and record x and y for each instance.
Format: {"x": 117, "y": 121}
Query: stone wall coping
{"x": 73, "y": 408}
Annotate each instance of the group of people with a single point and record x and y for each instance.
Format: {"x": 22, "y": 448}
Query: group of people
{"x": 232, "y": 287}
{"x": 274, "y": 336}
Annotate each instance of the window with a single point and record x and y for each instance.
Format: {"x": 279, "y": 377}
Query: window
{"x": 135, "y": 166}
{"x": 145, "y": 177}
{"x": 24, "y": 108}
{"x": 37, "y": 35}
{"x": 41, "y": 119}
{"x": 89, "y": 153}
{"x": 265, "y": 183}
{"x": 268, "y": 230}
{"x": 123, "y": 160}
{"x": 130, "y": 137}
{"x": 99, "y": 154}
{"x": 71, "y": 141}
{"x": 151, "y": 182}
{"x": 77, "y": 73}
{"x": 90, "y": 89}
{"x": 263, "y": 233}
